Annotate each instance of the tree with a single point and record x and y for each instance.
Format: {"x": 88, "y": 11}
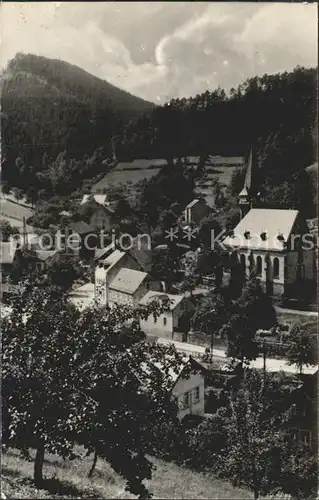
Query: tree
{"x": 165, "y": 265}
{"x": 78, "y": 377}
{"x": 63, "y": 272}
{"x": 210, "y": 314}
{"x": 302, "y": 349}
{"x": 256, "y": 441}
{"x": 252, "y": 311}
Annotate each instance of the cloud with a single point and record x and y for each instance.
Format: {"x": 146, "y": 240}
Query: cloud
{"x": 160, "y": 50}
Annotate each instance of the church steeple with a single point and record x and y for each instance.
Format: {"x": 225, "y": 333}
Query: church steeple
{"x": 245, "y": 197}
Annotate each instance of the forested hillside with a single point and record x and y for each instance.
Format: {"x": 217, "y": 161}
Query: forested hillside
{"x": 274, "y": 113}
{"x": 59, "y": 123}
{"x": 50, "y": 106}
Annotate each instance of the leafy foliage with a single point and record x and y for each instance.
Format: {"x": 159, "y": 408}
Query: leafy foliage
{"x": 252, "y": 311}
{"x": 70, "y": 376}
{"x": 303, "y": 346}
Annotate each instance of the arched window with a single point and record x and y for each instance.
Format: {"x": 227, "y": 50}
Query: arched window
{"x": 276, "y": 267}
{"x": 243, "y": 260}
{"x": 259, "y": 265}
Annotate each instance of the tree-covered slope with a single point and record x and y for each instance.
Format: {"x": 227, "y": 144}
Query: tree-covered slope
{"x": 49, "y": 106}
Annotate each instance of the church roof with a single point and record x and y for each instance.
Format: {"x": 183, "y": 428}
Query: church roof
{"x": 263, "y": 221}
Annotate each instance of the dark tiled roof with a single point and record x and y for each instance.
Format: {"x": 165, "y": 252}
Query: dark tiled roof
{"x": 81, "y": 227}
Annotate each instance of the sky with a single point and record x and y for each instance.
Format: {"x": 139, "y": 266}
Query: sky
{"x": 161, "y": 50}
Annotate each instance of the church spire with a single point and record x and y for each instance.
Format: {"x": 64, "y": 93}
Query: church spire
{"x": 245, "y": 196}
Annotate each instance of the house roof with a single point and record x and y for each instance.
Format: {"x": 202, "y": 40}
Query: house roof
{"x": 7, "y": 252}
{"x": 263, "y": 220}
{"x": 175, "y": 300}
{"x": 100, "y": 199}
{"x": 141, "y": 253}
{"x": 45, "y": 254}
{"x": 173, "y": 373}
{"x": 128, "y": 280}
{"x": 226, "y": 160}
{"x": 192, "y": 203}
{"x": 14, "y": 210}
{"x": 81, "y": 227}
{"x": 101, "y": 252}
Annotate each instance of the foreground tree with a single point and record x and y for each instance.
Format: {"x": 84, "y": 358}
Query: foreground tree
{"x": 260, "y": 454}
{"x": 303, "y": 348}
{"x": 210, "y": 315}
{"x": 80, "y": 377}
{"x": 251, "y": 312}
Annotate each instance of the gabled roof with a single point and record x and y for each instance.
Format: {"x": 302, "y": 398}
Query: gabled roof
{"x": 173, "y": 373}
{"x": 100, "y": 199}
{"x": 7, "y": 252}
{"x": 81, "y": 227}
{"x": 192, "y": 203}
{"x": 263, "y": 220}
{"x": 45, "y": 254}
{"x": 128, "y": 280}
{"x": 101, "y": 252}
{"x": 175, "y": 300}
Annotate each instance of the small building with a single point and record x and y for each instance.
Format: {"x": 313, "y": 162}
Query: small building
{"x": 99, "y": 211}
{"x": 44, "y": 259}
{"x": 128, "y": 287}
{"x": 196, "y": 211}
{"x": 188, "y": 387}
{"x": 166, "y": 324}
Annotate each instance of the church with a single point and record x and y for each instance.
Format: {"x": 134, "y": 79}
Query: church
{"x": 273, "y": 245}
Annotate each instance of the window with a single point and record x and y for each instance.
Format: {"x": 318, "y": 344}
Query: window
{"x": 155, "y": 318}
{"x": 276, "y": 267}
{"x": 259, "y": 265}
{"x": 305, "y": 437}
{"x": 196, "y": 394}
{"x": 164, "y": 321}
{"x": 186, "y": 400}
{"x": 243, "y": 260}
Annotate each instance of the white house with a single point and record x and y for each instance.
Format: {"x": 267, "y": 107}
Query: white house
{"x": 165, "y": 324}
{"x": 186, "y": 384}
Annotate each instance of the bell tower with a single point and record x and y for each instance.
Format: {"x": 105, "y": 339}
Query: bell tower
{"x": 245, "y": 197}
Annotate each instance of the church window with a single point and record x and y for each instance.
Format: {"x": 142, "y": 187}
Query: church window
{"x": 258, "y": 265}
{"x": 243, "y": 260}
{"x": 276, "y": 267}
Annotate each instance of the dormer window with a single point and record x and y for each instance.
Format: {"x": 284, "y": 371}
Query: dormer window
{"x": 263, "y": 235}
{"x": 247, "y": 235}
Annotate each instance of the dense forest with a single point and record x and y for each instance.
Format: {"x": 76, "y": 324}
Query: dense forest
{"x": 61, "y": 125}
{"x": 274, "y": 113}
